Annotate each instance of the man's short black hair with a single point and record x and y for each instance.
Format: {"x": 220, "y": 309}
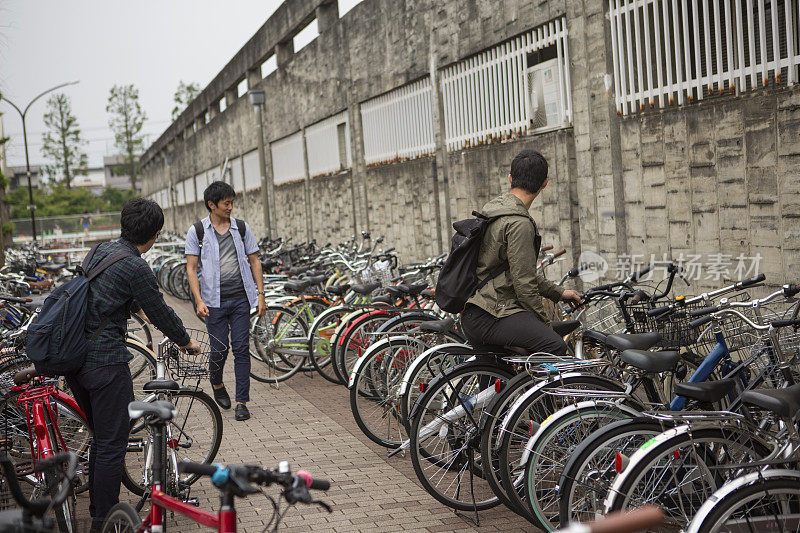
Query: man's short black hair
{"x": 216, "y": 192}
{"x": 141, "y": 220}
{"x": 528, "y": 171}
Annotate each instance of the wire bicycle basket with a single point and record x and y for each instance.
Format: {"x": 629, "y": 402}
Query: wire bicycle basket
{"x": 182, "y": 365}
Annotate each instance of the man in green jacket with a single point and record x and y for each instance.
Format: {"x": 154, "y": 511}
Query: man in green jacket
{"x": 508, "y": 310}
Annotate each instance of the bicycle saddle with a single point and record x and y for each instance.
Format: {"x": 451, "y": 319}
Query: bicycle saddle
{"x": 438, "y": 326}
{"x": 595, "y": 335}
{"x": 298, "y": 285}
{"x": 25, "y": 375}
{"x": 161, "y": 410}
{"x": 783, "y": 402}
{"x": 652, "y": 362}
{"x": 383, "y": 300}
{"x": 502, "y": 351}
{"x": 706, "y": 391}
{"x": 565, "y": 327}
{"x": 413, "y": 289}
{"x": 633, "y": 341}
{"x": 316, "y": 280}
{"x": 338, "y": 290}
{"x": 365, "y": 288}
{"x": 156, "y": 385}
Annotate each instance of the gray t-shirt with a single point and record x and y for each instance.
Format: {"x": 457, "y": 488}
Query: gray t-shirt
{"x": 230, "y": 275}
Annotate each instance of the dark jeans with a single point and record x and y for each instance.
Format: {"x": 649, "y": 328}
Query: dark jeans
{"x": 231, "y": 316}
{"x": 523, "y": 329}
{"x": 103, "y": 394}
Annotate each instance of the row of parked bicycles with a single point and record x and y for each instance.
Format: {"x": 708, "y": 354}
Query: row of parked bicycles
{"x": 686, "y": 402}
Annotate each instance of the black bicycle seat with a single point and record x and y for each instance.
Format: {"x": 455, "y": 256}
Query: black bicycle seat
{"x": 160, "y": 410}
{"x": 155, "y": 385}
{"x": 413, "y": 289}
{"x": 633, "y": 341}
{"x": 565, "y": 327}
{"x": 338, "y": 290}
{"x": 438, "y": 326}
{"x": 501, "y": 351}
{"x": 706, "y": 391}
{"x": 386, "y": 300}
{"x": 366, "y": 288}
{"x": 316, "y": 280}
{"x": 595, "y": 335}
{"x": 783, "y": 402}
{"x": 652, "y": 362}
{"x": 298, "y": 285}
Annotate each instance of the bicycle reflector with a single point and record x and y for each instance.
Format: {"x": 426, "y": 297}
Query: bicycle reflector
{"x": 620, "y": 462}
{"x": 498, "y": 385}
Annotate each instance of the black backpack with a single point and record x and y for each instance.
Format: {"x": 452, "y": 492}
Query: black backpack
{"x": 56, "y": 341}
{"x": 201, "y": 231}
{"x": 458, "y": 280}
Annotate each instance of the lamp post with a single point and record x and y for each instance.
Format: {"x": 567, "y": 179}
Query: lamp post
{"x": 168, "y": 163}
{"x": 22, "y": 115}
{"x": 257, "y": 99}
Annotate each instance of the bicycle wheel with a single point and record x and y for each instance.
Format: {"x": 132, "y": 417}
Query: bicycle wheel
{"x": 309, "y": 307}
{"x": 445, "y": 435}
{"x": 319, "y": 342}
{"x": 679, "y": 470}
{"x": 550, "y": 448}
{"x": 357, "y": 340}
{"x": 122, "y": 518}
{"x": 66, "y": 517}
{"x": 375, "y": 385}
{"x": 524, "y": 419}
{"x": 140, "y": 330}
{"x": 195, "y": 434}
{"x": 761, "y": 502}
{"x": 281, "y": 344}
{"x": 592, "y": 467}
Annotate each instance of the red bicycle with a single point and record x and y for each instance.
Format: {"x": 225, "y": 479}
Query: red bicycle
{"x": 232, "y": 482}
{"x": 43, "y": 404}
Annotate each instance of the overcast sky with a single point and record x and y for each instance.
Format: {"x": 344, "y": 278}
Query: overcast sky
{"x": 152, "y": 44}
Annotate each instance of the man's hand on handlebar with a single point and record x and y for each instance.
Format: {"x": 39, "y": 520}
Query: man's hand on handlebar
{"x": 193, "y": 348}
{"x": 573, "y": 297}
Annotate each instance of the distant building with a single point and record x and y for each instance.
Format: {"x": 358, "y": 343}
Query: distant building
{"x": 93, "y": 180}
{"x": 116, "y": 174}
{"x": 18, "y": 177}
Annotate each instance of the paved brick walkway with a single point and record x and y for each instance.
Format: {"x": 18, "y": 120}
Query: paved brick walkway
{"x": 308, "y": 422}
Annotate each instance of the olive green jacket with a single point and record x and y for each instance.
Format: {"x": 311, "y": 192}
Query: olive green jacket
{"x": 513, "y": 237}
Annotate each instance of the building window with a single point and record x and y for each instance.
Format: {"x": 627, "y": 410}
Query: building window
{"x": 399, "y": 124}
{"x": 269, "y": 66}
{"x": 519, "y": 86}
{"x": 287, "y": 158}
{"x": 677, "y": 51}
{"x": 241, "y": 88}
{"x": 328, "y": 145}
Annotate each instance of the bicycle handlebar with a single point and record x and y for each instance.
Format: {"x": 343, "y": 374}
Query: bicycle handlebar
{"x": 559, "y": 253}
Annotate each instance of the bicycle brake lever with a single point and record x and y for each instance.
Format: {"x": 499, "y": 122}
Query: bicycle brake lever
{"x": 323, "y": 505}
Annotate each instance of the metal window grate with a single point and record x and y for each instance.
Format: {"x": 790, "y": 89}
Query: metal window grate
{"x": 287, "y": 158}
{"x": 510, "y": 89}
{"x": 677, "y": 51}
{"x": 399, "y": 124}
{"x": 323, "y": 145}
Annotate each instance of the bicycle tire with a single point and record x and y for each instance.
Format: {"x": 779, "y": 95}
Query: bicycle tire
{"x": 374, "y": 387}
{"x": 122, "y": 518}
{"x": 136, "y": 462}
{"x": 708, "y": 441}
{"x": 143, "y": 367}
{"x": 446, "y": 418}
{"x": 320, "y": 348}
{"x": 66, "y": 514}
{"x": 309, "y": 307}
{"x": 357, "y": 340}
{"x": 593, "y": 457}
{"x": 276, "y": 357}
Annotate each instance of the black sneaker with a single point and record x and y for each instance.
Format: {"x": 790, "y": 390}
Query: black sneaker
{"x": 242, "y": 413}
{"x": 222, "y": 398}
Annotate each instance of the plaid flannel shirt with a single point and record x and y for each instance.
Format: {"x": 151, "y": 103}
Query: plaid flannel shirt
{"x": 125, "y": 286}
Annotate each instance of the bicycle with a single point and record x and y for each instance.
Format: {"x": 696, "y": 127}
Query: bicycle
{"x": 232, "y": 482}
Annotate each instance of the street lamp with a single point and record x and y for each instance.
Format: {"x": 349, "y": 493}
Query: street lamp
{"x": 257, "y": 99}
{"x": 22, "y": 115}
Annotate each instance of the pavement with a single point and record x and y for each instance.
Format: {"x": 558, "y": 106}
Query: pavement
{"x": 307, "y": 421}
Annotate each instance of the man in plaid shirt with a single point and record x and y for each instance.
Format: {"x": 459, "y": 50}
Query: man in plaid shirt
{"x": 103, "y": 387}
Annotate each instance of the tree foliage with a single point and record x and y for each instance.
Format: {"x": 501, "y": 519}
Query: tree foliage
{"x": 126, "y": 121}
{"x": 185, "y": 93}
{"x": 60, "y": 201}
{"x": 62, "y": 143}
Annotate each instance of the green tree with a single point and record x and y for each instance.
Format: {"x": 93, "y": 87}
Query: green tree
{"x": 5, "y": 223}
{"x": 126, "y": 120}
{"x": 183, "y": 97}
{"x": 114, "y": 199}
{"x": 62, "y": 143}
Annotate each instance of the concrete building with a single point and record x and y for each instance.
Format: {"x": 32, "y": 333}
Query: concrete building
{"x": 93, "y": 180}
{"x": 18, "y": 176}
{"x": 3, "y": 162}
{"x": 671, "y": 132}
{"x": 116, "y": 175}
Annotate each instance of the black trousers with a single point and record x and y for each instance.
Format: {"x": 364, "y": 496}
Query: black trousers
{"x": 103, "y": 394}
{"x": 523, "y": 329}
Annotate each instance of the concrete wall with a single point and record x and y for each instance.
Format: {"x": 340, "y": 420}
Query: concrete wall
{"x": 716, "y": 177}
